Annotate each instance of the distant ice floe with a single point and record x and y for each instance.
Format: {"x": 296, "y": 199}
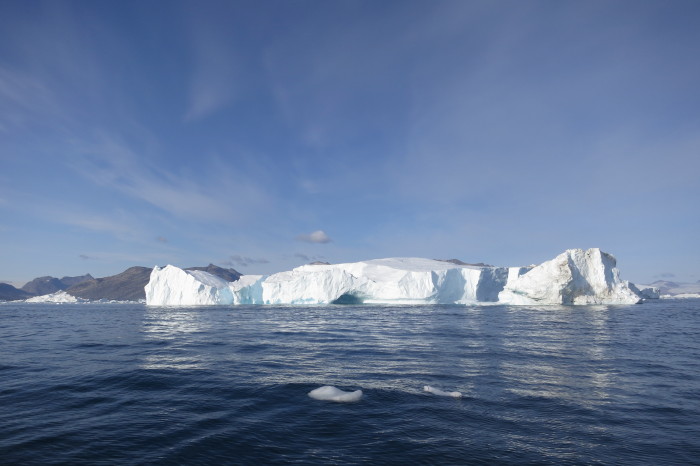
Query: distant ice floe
{"x": 681, "y": 296}
{"x": 330, "y": 393}
{"x": 57, "y": 297}
{"x": 438, "y": 392}
{"x": 576, "y": 276}
{"x": 646, "y": 292}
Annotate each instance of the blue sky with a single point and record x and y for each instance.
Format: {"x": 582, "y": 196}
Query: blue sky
{"x": 265, "y": 134}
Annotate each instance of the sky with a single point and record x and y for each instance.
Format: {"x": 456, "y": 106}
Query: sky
{"x": 262, "y": 135}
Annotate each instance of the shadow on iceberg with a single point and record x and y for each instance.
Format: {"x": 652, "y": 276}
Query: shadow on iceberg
{"x": 348, "y": 298}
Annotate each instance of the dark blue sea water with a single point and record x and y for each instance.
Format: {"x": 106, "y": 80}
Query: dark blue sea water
{"x": 131, "y": 384}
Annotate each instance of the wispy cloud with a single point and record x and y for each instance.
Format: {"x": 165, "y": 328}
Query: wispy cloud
{"x": 244, "y": 261}
{"x": 161, "y": 239}
{"x": 95, "y": 222}
{"x": 143, "y": 259}
{"x": 215, "y": 70}
{"x": 111, "y": 162}
{"x": 318, "y": 236}
{"x": 25, "y": 99}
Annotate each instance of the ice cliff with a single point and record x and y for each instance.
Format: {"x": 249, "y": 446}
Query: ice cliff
{"x": 574, "y": 277}
{"x": 171, "y": 285}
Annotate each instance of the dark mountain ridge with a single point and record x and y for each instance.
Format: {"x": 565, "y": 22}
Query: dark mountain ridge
{"x": 47, "y": 285}
{"x": 129, "y": 285}
{"x": 459, "y": 262}
{"x": 230, "y": 275}
{"x": 10, "y": 293}
{"x": 125, "y": 286}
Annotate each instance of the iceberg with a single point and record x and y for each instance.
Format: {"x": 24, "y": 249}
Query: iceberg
{"x": 574, "y": 277}
{"x": 666, "y": 289}
{"x": 646, "y": 292}
{"x": 57, "y": 297}
{"x": 173, "y": 286}
{"x": 329, "y": 393}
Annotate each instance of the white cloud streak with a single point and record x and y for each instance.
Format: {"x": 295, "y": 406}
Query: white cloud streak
{"x": 24, "y": 100}
{"x": 113, "y": 164}
{"x": 215, "y": 69}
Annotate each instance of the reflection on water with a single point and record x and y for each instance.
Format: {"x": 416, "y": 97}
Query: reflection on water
{"x": 525, "y": 349}
{"x": 546, "y": 339}
{"x": 583, "y": 385}
{"x": 331, "y": 345}
{"x": 172, "y": 330}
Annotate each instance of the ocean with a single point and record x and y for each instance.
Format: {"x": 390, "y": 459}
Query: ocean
{"x": 131, "y": 384}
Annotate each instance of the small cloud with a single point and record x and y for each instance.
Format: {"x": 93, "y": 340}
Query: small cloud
{"x": 318, "y": 236}
{"x": 86, "y": 257}
{"x": 162, "y": 239}
{"x": 244, "y": 261}
{"x": 666, "y": 275}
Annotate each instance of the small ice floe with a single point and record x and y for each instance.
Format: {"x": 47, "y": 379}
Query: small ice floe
{"x": 328, "y": 393}
{"x": 437, "y": 391}
{"x": 58, "y": 297}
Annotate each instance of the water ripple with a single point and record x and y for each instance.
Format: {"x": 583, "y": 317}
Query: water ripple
{"x": 136, "y": 385}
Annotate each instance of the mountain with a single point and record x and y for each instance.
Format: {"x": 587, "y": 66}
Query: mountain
{"x": 10, "y": 293}
{"x": 459, "y": 262}
{"x": 43, "y": 285}
{"x": 673, "y": 288}
{"x": 46, "y": 285}
{"x": 129, "y": 285}
{"x": 70, "y": 281}
{"x": 230, "y": 275}
{"x": 664, "y": 286}
{"x": 126, "y": 286}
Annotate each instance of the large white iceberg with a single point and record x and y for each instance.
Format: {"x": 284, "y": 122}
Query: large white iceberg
{"x": 379, "y": 281}
{"x": 574, "y": 277}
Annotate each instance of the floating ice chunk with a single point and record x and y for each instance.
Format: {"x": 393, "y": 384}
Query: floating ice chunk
{"x": 329, "y": 393}
{"x": 57, "y": 297}
{"x": 438, "y": 392}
